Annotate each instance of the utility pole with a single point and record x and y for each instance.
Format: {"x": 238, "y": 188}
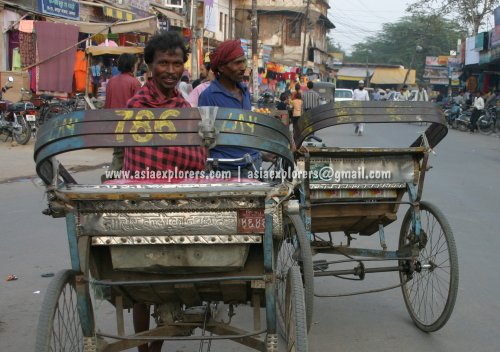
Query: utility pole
{"x": 255, "y": 53}
{"x": 194, "y": 45}
{"x": 306, "y": 20}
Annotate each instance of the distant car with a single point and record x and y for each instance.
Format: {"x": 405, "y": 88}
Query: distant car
{"x": 342, "y": 94}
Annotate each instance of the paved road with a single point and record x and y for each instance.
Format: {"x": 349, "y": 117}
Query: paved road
{"x": 463, "y": 183}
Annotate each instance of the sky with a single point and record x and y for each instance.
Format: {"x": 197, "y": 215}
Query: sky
{"x": 358, "y": 19}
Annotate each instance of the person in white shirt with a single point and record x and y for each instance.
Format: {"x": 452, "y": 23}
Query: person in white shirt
{"x": 478, "y": 109}
{"x": 421, "y": 95}
{"x": 360, "y": 93}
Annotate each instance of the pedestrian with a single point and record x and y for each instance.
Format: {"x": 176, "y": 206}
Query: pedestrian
{"x": 229, "y": 63}
{"x": 405, "y": 94}
{"x": 477, "y": 110}
{"x": 297, "y": 106}
{"x": 310, "y": 98}
{"x": 296, "y": 90}
{"x": 361, "y": 94}
{"x": 95, "y": 71}
{"x": 376, "y": 96}
{"x": 119, "y": 90}
{"x": 491, "y": 99}
{"x": 165, "y": 54}
{"x": 283, "y": 103}
{"x": 421, "y": 94}
{"x": 194, "y": 96}
{"x": 204, "y": 69}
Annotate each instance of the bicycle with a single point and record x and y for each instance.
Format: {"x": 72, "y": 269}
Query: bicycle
{"x": 486, "y": 124}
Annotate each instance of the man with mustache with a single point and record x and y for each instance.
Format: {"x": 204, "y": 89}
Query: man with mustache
{"x": 165, "y": 55}
{"x": 228, "y": 62}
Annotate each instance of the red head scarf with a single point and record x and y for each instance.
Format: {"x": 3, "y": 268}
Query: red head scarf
{"x": 224, "y": 53}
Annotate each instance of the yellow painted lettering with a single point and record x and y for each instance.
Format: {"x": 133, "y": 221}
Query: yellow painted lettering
{"x": 141, "y": 127}
{"x": 168, "y": 125}
{"x": 120, "y": 126}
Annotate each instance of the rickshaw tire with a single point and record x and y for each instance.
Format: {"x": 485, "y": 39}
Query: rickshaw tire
{"x": 454, "y": 271}
{"x": 45, "y": 330}
{"x": 306, "y": 270}
{"x": 296, "y": 292}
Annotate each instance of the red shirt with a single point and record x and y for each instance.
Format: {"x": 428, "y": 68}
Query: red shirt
{"x": 120, "y": 89}
{"x": 161, "y": 158}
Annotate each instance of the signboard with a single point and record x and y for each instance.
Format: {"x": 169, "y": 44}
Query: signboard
{"x": 495, "y": 37}
{"x": 211, "y": 13}
{"x": 60, "y": 8}
{"x": 431, "y": 61}
{"x": 338, "y": 58}
{"x": 436, "y": 72}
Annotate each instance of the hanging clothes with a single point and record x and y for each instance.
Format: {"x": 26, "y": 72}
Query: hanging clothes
{"x": 27, "y": 48}
{"x": 13, "y": 43}
{"x": 80, "y": 71}
{"x": 16, "y": 60}
{"x": 56, "y": 74}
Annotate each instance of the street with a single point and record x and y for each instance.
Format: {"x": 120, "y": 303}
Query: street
{"x": 462, "y": 183}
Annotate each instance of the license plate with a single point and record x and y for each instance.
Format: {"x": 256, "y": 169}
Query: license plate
{"x": 31, "y": 118}
{"x": 251, "y": 221}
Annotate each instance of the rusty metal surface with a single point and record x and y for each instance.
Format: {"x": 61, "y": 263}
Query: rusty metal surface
{"x": 145, "y": 224}
{"x": 373, "y": 112}
{"x": 173, "y": 217}
{"x": 179, "y": 258}
{"x": 174, "y": 240}
{"x": 172, "y": 204}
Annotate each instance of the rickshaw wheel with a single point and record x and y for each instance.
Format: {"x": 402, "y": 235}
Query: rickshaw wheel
{"x": 294, "y": 250}
{"x": 295, "y": 312}
{"x": 59, "y": 327}
{"x": 430, "y": 287}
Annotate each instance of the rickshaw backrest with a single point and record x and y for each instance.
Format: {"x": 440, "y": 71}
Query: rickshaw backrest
{"x": 204, "y": 126}
{"x": 332, "y": 114}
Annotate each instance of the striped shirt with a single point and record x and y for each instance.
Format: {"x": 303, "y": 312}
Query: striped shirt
{"x": 310, "y": 99}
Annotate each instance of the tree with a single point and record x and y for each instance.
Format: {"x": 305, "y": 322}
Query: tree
{"x": 333, "y": 47}
{"x": 470, "y": 13}
{"x": 396, "y": 43}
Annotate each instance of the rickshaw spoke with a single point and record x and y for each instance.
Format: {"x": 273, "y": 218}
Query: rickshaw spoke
{"x": 431, "y": 295}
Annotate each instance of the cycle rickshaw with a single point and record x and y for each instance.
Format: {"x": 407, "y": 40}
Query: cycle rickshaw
{"x": 340, "y": 195}
{"x": 186, "y": 246}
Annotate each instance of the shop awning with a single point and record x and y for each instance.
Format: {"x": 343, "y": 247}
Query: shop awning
{"x": 111, "y": 11}
{"x": 143, "y": 25}
{"x": 353, "y": 73}
{"x": 175, "y": 19}
{"x": 118, "y": 13}
{"x": 113, "y": 50}
{"x": 394, "y": 75}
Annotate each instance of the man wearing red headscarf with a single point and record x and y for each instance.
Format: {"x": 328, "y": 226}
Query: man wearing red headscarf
{"x": 229, "y": 63}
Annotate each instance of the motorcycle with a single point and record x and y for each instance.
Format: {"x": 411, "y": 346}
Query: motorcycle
{"x": 462, "y": 122}
{"x": 12, "y": 118}
{"x": 452, "y": 114}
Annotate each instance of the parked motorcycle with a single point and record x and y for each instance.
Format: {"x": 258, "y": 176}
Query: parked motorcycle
{"x": 462, "y": 122}
{"x": 452, "y": 114}
{"x": 12, "y": 118}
